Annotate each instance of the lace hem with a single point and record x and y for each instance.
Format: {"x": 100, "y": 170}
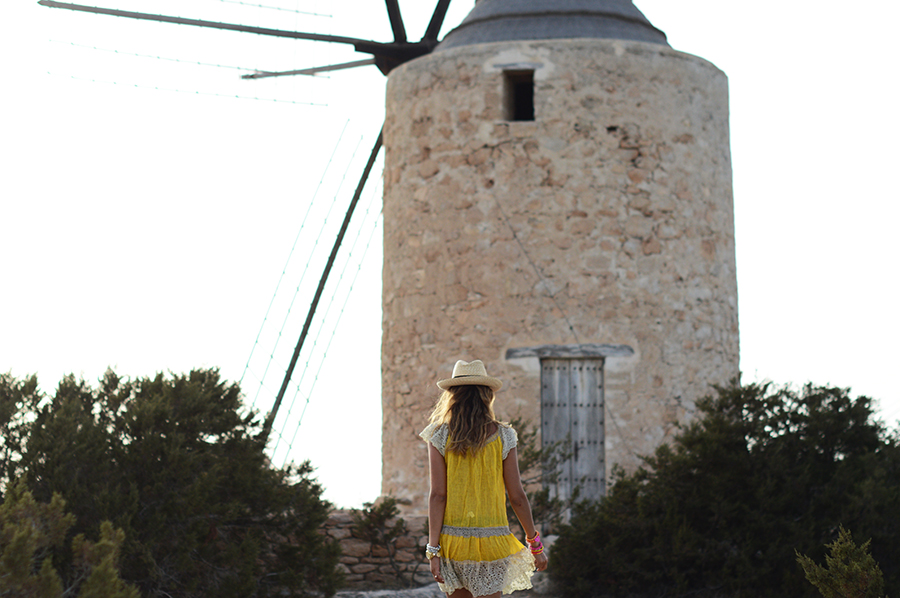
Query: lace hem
{"x": 489, "y": 577}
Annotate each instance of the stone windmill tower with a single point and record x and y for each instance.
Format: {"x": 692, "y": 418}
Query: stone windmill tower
{"x": 557, "y": 203}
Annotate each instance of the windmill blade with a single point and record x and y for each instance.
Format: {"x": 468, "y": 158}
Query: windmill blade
{"x": 270, "y": 419}
{"x": 387, "y": 55}
{"x": 396, "y": 21}
{"x": 310, "y": 71}
{"x": 437, "y": 20}
{"x": 212, "y": 24}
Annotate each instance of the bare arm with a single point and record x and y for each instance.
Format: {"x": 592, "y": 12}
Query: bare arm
{"x": 519, "y": 501}
{"x": 437, "y": 500}
{"x": 517, "y": 497}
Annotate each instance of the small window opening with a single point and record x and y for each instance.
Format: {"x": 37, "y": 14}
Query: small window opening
{"x": 518, "y": 95}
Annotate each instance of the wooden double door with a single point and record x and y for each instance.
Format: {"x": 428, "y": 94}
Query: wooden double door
{"x": 572, "y": 414}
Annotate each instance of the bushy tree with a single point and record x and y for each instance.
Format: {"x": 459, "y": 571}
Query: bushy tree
{"x": 179, "y": 468}
{"x": 19, "y": 399}
{"x": 30, "y": 532}
{"x": 850, "y": 570}
{"x": 763, "y": 471}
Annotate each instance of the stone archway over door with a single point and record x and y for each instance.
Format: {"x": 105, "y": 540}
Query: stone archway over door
{"x": 572, "y": 413}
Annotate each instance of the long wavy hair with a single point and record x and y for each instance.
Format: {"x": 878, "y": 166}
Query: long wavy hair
{"x": 469, "y": 412}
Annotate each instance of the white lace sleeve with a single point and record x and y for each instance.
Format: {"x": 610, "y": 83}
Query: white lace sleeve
{"x": 436, "y": 434}
{"x": 509, "y": 438}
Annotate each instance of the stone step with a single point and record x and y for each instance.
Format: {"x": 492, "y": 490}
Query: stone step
{"x": 429, "y": 591}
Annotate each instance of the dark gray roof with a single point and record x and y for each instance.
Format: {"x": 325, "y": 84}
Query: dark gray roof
{"x": 511, "y": 20}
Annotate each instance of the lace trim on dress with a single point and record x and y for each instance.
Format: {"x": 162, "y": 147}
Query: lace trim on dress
{"x": 488, "y": 577}
{"x": 509, "y": 438}
{"x": 436, "y": 434}
{"x": 475, "y": 532}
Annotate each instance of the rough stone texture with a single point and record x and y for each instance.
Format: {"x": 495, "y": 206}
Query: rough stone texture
{"x": 431, "y": 591}
{"x": 369, "y": 577}
{"x": 608, "y": 219}
{"x": 542, "y": 589}
{"x": 367, "y": 566}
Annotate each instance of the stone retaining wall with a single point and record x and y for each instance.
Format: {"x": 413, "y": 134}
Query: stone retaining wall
{"x": 368, "y": 566}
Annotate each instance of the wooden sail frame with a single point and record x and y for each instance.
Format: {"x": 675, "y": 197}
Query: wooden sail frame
{"x": 386, "y": 56}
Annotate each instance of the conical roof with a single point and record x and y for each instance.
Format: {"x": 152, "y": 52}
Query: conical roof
{"x": 513, "y": 20}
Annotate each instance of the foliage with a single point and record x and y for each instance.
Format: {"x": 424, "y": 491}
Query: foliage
{"x": 540, "y": 470}
{"x": 762, "y": 471}
{"x": 18, "y": 399}
{"x": 30, "y": 531}
{"x": 851, "y": 571}
{"x": 174, "y": 464}
{"x": 378, "y": 523}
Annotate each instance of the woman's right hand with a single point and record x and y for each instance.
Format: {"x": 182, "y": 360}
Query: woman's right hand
{"x": 540, "y": 561}
{"x": 435, "y": 565}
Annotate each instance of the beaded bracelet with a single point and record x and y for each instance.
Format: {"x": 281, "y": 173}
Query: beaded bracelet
{"x": 432, "y": 551}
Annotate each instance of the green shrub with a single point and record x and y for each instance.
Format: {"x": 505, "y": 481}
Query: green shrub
{"x": 30, "y": 533}
{"x": 378, "y": 524}
{"x": 850, "y": 570}
{"x": 175, "y": 463}
{"x": 762, "y": 471}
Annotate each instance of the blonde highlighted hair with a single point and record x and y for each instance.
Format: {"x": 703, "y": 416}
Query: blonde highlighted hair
{"x": 468, "y": 411}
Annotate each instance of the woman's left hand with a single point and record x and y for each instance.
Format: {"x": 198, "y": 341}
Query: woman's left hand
{"x": 435, "y": 564}
{"x": 540, "y": 561}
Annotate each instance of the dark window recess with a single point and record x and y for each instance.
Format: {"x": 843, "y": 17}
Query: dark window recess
{"x": 519, "y": 95}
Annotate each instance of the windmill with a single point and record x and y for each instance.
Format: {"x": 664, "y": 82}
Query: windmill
{"x": 558, "y": 203}
{"x": 384, "y": 55}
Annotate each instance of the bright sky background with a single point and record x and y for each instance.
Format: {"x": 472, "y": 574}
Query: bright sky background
{"x": 148, "y": 214}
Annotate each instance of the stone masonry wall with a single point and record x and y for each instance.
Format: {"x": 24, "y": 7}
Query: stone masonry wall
{"x": 607, "y": 219}
{"x": 368, "y": 566}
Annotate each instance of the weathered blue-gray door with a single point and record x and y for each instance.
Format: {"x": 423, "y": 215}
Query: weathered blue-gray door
{"x": 572, "y": 413}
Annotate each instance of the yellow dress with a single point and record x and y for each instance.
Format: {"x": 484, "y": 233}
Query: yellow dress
{"x": 478, "y": 552}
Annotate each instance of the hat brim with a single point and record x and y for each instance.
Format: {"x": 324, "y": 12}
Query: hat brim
{"x": 492, "y": 383}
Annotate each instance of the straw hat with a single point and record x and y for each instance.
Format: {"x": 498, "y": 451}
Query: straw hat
{"x": 470, "y": 373}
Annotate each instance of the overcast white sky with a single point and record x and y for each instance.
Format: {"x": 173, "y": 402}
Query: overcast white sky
{"x": 150, "y": 204}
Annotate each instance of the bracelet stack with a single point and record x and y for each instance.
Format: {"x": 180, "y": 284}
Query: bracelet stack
{"x": 432, "y": 551}
{"x": 535, "y": 544}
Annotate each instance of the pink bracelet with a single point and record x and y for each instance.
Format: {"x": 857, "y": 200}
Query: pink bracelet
{"x": 535, "y": 544}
